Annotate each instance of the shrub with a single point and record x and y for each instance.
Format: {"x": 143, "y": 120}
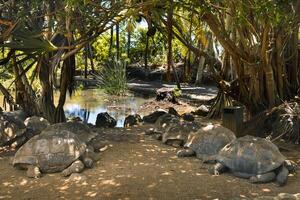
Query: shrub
{"x": 112, "y": 78}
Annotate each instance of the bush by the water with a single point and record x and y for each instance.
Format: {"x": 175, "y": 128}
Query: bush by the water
{"x": 112, "y": 79}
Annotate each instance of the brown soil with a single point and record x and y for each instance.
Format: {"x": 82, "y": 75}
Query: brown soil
{"x": 137, "y": 167}
{"x": 181, "y": 107}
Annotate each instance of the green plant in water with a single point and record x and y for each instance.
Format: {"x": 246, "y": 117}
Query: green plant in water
{"x": 112, "y": 79}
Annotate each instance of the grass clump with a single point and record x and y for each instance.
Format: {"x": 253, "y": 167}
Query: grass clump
{"x": 112, "y": 78}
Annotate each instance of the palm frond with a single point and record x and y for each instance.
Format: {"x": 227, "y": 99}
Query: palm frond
{"x": 28, "y": 40}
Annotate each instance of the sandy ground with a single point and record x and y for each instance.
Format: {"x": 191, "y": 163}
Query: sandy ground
{"x": 136, "y": 166}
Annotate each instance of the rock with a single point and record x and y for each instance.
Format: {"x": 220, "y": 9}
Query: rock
{"x": 174, "y": 112}
{"x": 202, "y": 110}
{"x": 132, "y": 120}
{"x": 166, "y": 94}
{"x": 151, "y": 118}
{"x": 105, "y": 120}
{"x": 188, "y": 117}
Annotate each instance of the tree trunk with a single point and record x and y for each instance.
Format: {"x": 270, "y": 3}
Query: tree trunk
{"x": 146, "y": 52}
{"x": 202, "y": 62}
{"x": 25, "y": 96}
{"x": 268, "y": 71}
{"x": 85, "y": 62}
{"x": 118, "y": 40}
{"x": 200, "y": 71}
{"x": 169, "y": 42}
{"x": 91, "y": 56}
{"x": 111, "y": 42}
{"x": 292, "y": 53}
{"x": 46, "y": 101}
{"x": 128, "y": 43}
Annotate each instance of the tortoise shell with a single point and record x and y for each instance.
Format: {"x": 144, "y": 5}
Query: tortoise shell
{"x": 251, "y": 155}
{"x": 81, "y": 130}
{"x": 51, "y": 151}
{"x": 179, "y": 130}
{"x": 209, "y": 140}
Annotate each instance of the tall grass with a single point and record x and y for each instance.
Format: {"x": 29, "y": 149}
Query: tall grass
{"x": 112, "y": 78}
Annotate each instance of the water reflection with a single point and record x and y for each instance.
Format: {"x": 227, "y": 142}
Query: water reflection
{"x": 87, "y": 104}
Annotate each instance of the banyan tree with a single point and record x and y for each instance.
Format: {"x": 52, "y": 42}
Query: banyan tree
{"x": 260, "y": 64}
{"x": 259, "y": 43}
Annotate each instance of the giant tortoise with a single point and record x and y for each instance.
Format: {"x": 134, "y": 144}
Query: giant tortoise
{"x": 81, "y": 130}
{"x": 53, "y": 151}
{"x": 11, "y": 128}
{"x": 207, "y": 142}
{"x": 255, "y": 158}
{"x": 176, "y": 134}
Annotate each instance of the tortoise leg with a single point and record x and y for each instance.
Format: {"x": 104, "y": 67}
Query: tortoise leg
{"x": 89, "y": 157}
{"x": 33, "y": 172}
{"x": 88, "y": 162}
{"x": 263, "y": 178}
{"x": 75, "y": 167}
{"x": 217, "y": 169}
{"x": 282, "y": 176}
{"x": 185, "y": 153}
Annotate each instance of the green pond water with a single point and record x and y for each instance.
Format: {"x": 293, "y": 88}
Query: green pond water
{"x": 86, "y": 104}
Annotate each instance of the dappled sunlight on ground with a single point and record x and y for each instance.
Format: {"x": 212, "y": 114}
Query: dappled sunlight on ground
{"x": 136, "y": 167}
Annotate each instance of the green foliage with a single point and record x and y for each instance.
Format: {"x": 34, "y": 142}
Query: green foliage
{"x": 177, "y": 91}
{"x": 112, "y": 79}
{"x": 287, "y": 122}
{"x": 101, "y": 47}
{"x": 25, "y": 38}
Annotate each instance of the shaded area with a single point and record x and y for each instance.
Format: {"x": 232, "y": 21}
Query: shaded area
{"x": 137, "y": 167}
{"x": 190, "y": 92}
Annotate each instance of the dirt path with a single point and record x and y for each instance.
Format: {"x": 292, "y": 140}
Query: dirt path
{"x": 137, "y": 167}
{"x": 188, "y": 92}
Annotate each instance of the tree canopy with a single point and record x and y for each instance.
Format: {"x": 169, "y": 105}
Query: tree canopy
{"x": 251, "y": 46}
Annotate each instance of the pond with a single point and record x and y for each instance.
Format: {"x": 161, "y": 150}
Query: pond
{"x": 87, "y": 104}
